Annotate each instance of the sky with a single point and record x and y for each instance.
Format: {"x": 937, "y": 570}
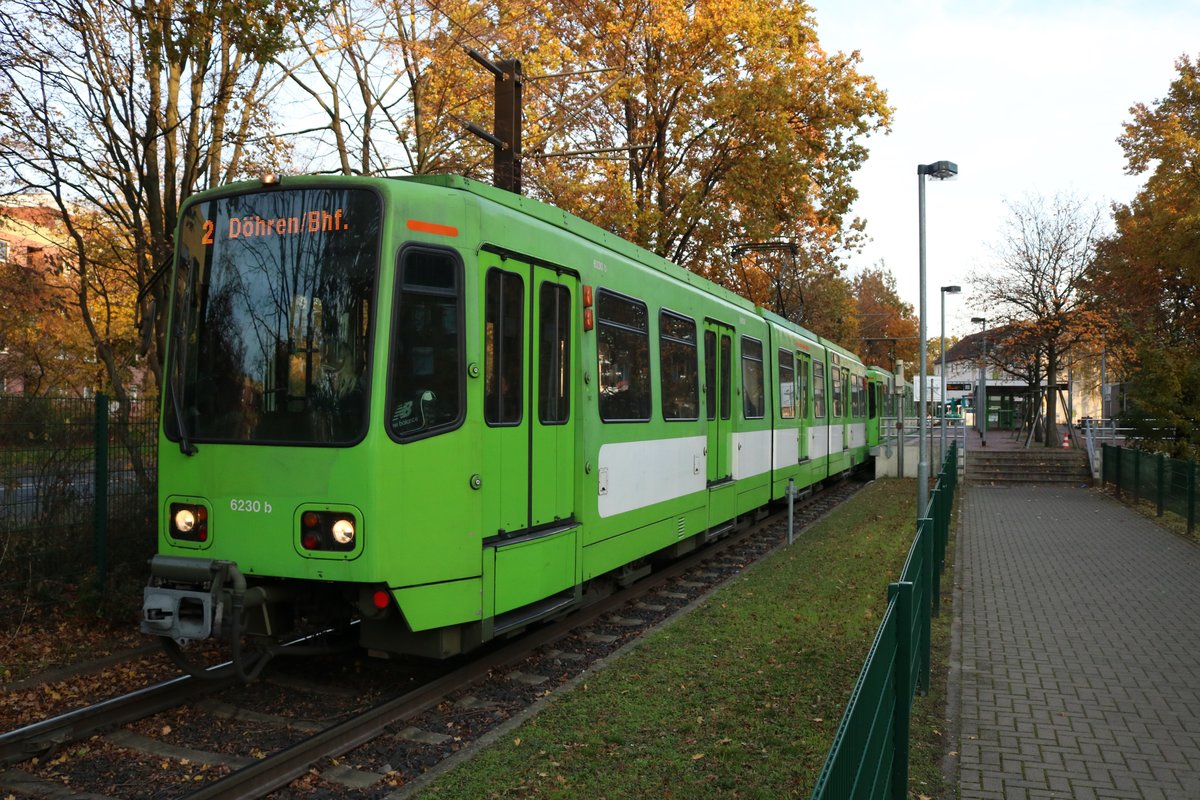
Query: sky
{"x": 1028, "y": 97}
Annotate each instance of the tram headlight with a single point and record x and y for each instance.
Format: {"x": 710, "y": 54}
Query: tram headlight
{"x": 343, "y": 531}
{"x": 189, "y": 522}
{"x": 185, "y": 520}
{"x": 328, "y": 531}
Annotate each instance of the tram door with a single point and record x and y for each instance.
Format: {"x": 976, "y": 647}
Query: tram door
{"x": 718, "y": 407}
{"x": 529, "y": 354}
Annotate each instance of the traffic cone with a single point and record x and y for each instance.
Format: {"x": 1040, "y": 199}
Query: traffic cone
{"x": 1066, "y": 441}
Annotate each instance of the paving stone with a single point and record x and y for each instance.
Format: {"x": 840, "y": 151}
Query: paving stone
{"x": 527, "y": 679}
{"x": 351, "y": 778}
{"x": 1080, "y": 629}
{"x": 424, "y": 737}
{"x": 655, "y": 607}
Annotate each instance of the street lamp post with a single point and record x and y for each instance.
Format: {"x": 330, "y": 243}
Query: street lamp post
{"x": 940, "y": 170}
{"x": 942, "y": 397}
{"x": 981, "y": 399}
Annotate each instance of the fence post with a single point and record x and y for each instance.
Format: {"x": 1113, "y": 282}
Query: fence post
{"x": 935, "y": 562}
{"x": 1117, "y": 479}
{"x": 100, "y": 521}
{"x": 1137, "y": 477}
{"x": 1162, "y": 463}
{"x": 1191, "y": 490}
{"x": 902, "y": 592}
{"x": 926, "y": 611}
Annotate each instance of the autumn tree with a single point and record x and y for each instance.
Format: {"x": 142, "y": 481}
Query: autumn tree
{"x": 1037, "y": 279}
{"x": 888, "y": 328}
{"x": 731, "y": 124}
{"x": 1146, "y": 277}
{"x": 780, "y": 277}
{"x": 381, "y": 81}
{"x": 125, "y": 111}
{"x": 43, "y": 348}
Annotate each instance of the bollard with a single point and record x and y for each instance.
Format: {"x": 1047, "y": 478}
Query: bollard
{"x": 791, "y": 496}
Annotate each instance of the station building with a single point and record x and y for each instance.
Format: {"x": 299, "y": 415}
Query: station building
{"x": 1011, "y": 400}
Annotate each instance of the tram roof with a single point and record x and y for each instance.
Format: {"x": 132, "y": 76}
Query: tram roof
{"x": 577, "y": 226}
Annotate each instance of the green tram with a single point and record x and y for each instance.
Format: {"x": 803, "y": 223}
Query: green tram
{"x": 447, "y": 411}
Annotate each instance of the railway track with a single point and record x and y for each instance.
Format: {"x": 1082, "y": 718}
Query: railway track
{"x": 204, "y": 739}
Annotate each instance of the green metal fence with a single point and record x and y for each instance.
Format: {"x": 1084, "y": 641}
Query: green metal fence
{"x": 869, "y": 757}
{"x": 77, "y": 495}
{"x": 1169, "y": 483}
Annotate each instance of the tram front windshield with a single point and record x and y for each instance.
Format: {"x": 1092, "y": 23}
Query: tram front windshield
{"x": 272, "y": 317}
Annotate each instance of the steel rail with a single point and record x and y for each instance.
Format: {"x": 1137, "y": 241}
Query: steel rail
{"x": 30, "y": 740}
{"x": 36, "y": 738}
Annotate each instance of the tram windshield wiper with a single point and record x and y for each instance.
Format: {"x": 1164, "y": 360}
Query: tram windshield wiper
{"x": 185, "y": 444}
{"x": 179, "y": 356}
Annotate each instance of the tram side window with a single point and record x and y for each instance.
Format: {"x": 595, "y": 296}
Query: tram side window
{"x": 726, "y": 376}
{"x": 802, "y": 383}
{"x": 752, "y": 378}
{"x": 426, "y": 382}
{"x": 836, "y": 380}
{"x": 787, "y": 385}
{"x": 623, "y": 352}
{"x": 818, "y": 389}
{"x": 679, "y": 378}
{"x": 554, "y": 359}
{"x": 710, "y": 374}
{"x": 503, "y": 335}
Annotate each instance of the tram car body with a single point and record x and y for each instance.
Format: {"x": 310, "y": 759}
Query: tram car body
{"x": 444, "y": 410}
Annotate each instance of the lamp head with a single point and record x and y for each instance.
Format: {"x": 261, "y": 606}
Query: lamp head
{"x": 939, "y": 169}
{"x": 979, "y": 320}
{"x": 951, "y": 289}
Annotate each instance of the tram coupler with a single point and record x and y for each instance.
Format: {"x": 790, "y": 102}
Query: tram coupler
{"x": 187, "y": 599}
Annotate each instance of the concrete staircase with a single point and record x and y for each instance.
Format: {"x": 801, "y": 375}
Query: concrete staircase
{"x": 1041, "y": 465}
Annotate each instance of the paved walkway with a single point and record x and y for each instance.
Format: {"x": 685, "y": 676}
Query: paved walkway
{"x": 1078, "y": 641}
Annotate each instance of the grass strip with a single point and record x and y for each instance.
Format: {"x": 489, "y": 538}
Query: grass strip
{"x": 740, "y": 698}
